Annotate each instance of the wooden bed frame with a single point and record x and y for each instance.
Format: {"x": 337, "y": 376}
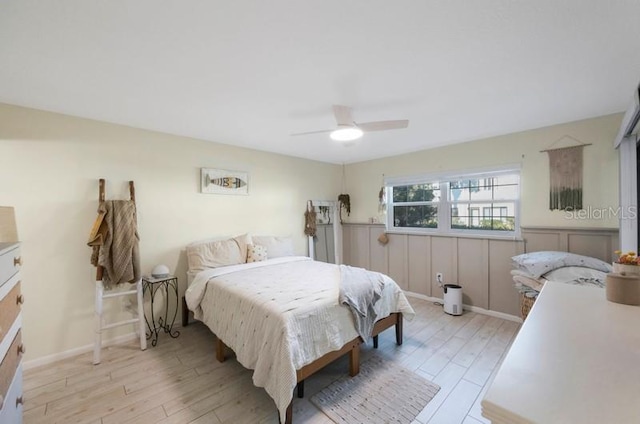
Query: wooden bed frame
{"x": 352, "y": 348}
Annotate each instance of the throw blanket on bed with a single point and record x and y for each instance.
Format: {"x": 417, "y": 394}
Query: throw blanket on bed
{"x": 360, "y": 290}
{"x": 119, "y": 253}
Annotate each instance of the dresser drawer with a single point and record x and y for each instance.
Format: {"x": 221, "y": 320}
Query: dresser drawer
{"x": 10, "y": 263}
{"x": 12, "y": 406}
{"x": 10, "y": 364}
{"x": 9, "y": 309}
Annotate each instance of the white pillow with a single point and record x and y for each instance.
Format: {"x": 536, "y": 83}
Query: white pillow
{"x": 276, "y": 246}
{"x": 540, "y": 263}
{"x": 571, "y": 273}
{"x": 213, "y": 254}
{"x": 256, "y": 253}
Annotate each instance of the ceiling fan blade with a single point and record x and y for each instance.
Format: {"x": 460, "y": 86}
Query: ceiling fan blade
{"x": 383, "y": 125}
{"x": 343, "y": 115}
{"x": 311, "y": 132}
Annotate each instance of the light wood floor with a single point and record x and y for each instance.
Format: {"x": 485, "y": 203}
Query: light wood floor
{"x": 179, "y": 381}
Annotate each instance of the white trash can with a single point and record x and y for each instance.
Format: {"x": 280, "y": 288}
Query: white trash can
{"x": 453, "y": 299}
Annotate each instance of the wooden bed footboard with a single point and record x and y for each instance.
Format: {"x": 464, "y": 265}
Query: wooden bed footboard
{"x": 352, "y": 348}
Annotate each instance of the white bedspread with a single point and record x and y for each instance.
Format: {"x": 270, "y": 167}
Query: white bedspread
{"x": 280, "y": 315}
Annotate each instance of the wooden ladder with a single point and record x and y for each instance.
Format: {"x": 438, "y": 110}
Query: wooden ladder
{"x": 100, "y": 296}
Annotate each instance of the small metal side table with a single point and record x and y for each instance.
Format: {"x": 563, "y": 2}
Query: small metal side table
{"x": 152, "y": 285}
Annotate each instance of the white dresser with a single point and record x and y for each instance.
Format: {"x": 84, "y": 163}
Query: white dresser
{"x": 576, "y": 359}
{"x": 11, "y": 347}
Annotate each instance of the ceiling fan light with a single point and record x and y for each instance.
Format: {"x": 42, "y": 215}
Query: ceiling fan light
{"x": 346, "y": 134}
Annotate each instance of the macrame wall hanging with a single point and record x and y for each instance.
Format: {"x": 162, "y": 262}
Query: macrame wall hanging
{"x": 565, "y": 167}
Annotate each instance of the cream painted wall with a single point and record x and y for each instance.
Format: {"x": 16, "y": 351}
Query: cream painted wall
{"x": 50, "y": 164}
{"x": 363, "y": 180}
{"x": 49, "y": 167}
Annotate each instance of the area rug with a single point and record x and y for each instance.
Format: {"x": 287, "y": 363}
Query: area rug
{"x": 380, "y": 393}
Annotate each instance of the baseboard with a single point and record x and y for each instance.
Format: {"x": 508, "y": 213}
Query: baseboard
{"x": 471, "y": 308}
{"x": 49, "y": 359}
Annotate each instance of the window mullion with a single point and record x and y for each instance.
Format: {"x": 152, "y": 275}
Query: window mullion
{"x": 444, "y": 209}
{"x": 388, "y": 192}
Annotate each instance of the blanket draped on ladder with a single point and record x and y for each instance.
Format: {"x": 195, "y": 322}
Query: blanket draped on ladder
{"x": 118, "y": 251}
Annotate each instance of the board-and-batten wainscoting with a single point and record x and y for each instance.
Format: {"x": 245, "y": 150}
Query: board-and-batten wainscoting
{"x": 595, "y": 242}
{"x": 481, "y": 265}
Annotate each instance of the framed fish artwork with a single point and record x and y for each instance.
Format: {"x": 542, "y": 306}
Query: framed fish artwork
{"x": 221, "y": 181}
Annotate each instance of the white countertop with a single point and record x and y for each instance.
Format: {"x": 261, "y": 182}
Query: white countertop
{"x": 576, "y": 359}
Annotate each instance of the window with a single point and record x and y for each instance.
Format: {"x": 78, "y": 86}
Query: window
{"x": 481, "y": 203}
{"x": 416, "y": 205}
{"x": 474, "y": 216}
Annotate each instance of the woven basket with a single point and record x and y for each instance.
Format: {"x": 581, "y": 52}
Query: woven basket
{"x": 526, "y": 303}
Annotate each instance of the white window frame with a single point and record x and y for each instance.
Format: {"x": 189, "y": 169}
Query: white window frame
{"x": 437, "y": 204}
{"x": 444, "y": 205}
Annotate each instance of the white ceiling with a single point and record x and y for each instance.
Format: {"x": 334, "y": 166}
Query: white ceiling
{"x": 249, "y": 73}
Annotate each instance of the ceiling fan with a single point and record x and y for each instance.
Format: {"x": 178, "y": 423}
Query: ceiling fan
{"x": 348, "y": 130}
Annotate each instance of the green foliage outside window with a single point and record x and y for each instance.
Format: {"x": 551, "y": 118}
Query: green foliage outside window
{"x": 422, "y": 215}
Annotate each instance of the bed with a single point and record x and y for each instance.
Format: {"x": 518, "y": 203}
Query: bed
{"x": 281, "y": 315}
{"x": 533, "y": 270}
